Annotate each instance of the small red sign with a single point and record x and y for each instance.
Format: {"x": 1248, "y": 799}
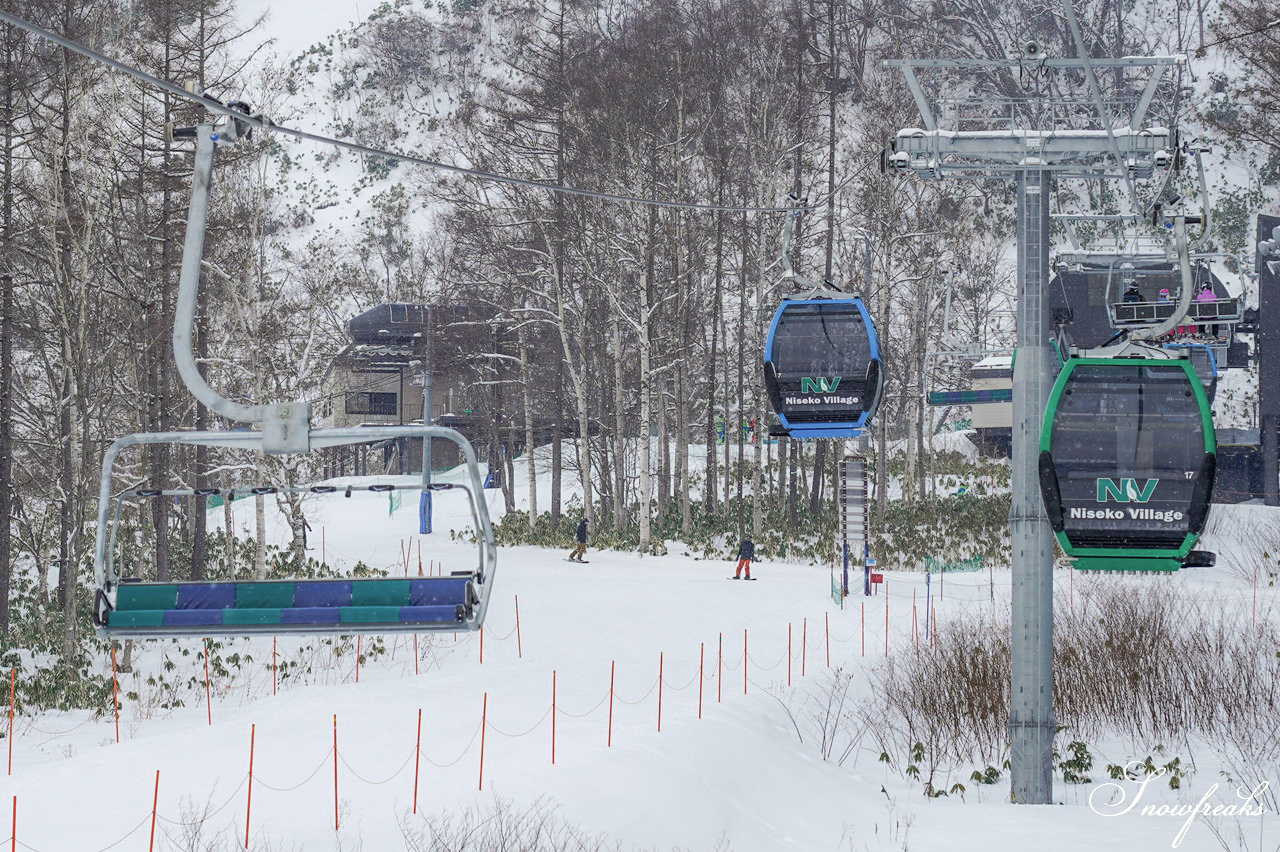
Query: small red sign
{"x": 877, "y": 578}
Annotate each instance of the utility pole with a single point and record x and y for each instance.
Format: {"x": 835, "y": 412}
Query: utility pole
{"x": 1268, "y": 346}
{"x": 424, "y": 509}
{"x": 1031, "y": 721}
{"x": 1029, "y": 140}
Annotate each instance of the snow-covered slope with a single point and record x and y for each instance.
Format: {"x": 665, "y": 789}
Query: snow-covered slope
{"x": 734, "y": 765}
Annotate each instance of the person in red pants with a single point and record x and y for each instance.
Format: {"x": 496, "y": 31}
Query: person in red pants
{"x": 746, "y": 552}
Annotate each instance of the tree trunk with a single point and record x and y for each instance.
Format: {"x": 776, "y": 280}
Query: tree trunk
{"x": 509, "y": 471}
{"x": 734, "y": 423}
{"x": 619, "y": 430}
{"x": 759, "y": 434}
{"x": 819, "y": 467}
{"x": 526, "y": 391}
{"x": 558, "y": 262}
{"x": 712, "y": 475}
{"x": 68, "y": 522}
{"x": 882, "y": 420}
{"x": 7, "y": 507}
{"x": 67, "y": 568}
{"x": 229, "y": 527}
{"x": 645, "y": 342}
{"x": 260, "y": 528}
{"x": 581, "y": 407}
{"x": 199, "y": 505}
{"x": 793, "y": 481}
{"x": 833, "y": 85}
{"x": 682, "y": 455}
{"x": 161, "y": 454}
{"x": 557, "y": 446}
{"x": 664, "y": 451}
{"x": 291, "y": 504}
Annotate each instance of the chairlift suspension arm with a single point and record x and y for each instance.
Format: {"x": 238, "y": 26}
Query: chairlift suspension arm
{"x": 808, "y": 288}
{"x": 784, "y": 253}
{"x": 1207, "y": 208}
{"x": 284, "y": 425}
{"x": 189, "y": 285}
{"x": 1179, "y": 224}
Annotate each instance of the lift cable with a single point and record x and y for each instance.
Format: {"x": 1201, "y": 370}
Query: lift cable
{"x": 216, "y": 106}
{"x": 1200, "y": 51}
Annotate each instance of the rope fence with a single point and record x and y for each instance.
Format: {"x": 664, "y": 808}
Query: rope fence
{"x": 870, "y": 629}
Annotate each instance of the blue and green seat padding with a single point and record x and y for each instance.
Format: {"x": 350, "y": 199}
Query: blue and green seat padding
{"x": 233, "y": 608}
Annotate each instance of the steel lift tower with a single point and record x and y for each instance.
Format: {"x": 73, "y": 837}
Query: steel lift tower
{"x": 1034, "y": 140}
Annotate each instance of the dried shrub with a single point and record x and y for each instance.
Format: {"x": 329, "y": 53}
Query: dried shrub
{"x": 1145, "y": 662}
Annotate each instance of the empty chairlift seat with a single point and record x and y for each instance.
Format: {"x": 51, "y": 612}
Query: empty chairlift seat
{"x": 131, "y": 607}
{"x": 317, "y": 606}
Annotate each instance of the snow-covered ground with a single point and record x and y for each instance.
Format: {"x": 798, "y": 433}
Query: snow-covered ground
{"x": 701, "y": 759}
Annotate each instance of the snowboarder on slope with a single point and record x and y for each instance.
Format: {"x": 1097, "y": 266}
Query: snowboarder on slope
{"x": 580, "y": 548}
{"x": 746, "y": 552}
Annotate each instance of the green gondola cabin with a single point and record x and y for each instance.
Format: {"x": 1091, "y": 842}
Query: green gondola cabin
{"x": 1127, "y": 463}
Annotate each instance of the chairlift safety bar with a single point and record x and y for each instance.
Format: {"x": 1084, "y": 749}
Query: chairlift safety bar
{"x": 108, "y": 582}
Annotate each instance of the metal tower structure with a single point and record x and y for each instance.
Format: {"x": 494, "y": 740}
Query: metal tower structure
{"x": 1033, "y": 140}
{"x": 1268, "y": 342}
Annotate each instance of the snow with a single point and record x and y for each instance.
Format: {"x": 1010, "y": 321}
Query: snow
{"x": 995, "y": 362}
{"x": 294, "y": 27}
{"x": 729, "y": 773}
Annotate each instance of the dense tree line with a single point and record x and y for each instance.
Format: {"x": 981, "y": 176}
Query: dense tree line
{"x": 639, "y": 326}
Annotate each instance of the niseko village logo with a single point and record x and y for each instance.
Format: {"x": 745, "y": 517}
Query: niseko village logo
{"x": 819, "y": 385}
{"x": 1125, "y": 490}
{"x": 821, "y": 391}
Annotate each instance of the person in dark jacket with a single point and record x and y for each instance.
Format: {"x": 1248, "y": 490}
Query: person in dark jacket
{"x": 746, "y": 552}
{"x": 580, "y": 548}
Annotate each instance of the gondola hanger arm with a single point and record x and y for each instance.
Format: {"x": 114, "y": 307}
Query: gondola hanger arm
{"x": 810, "y": 289}
{"x": 1178, "y": 223}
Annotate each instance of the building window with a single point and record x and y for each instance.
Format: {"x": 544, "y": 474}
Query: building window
{"x": 372, "y": 403}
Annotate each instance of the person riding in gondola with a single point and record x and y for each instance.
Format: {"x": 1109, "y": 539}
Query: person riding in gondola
{"x": 1206, "y": 294}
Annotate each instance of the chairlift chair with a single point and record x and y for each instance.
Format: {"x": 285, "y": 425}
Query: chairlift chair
{"x": 131, "y": 606}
